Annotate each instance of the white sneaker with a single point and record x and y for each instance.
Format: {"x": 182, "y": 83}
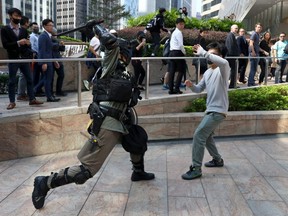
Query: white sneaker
{"x": 86, "y": 85}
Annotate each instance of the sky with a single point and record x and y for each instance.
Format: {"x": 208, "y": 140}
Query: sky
{"x": 196, "y": 7}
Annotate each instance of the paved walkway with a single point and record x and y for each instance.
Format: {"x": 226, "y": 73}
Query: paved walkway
{"x": 254, "y": 181}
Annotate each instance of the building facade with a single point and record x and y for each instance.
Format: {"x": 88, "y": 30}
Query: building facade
{"x": 272, "y": 14}
{"x": 70, "y": 14}
{"x": 36, "y": 10}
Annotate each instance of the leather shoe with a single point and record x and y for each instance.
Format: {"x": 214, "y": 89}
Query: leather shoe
{"x": 40, "y": 94}
{"x": 175, "y": 92}
{"x": 61, "y": 94}
{"x": 11, "y": 106}
{"x": 35, "y": 102}
{"x": 53, "y": 99}
{"x": 23, "y": 98}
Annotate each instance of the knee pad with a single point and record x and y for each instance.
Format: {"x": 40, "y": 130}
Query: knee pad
{"x": 82, "y": 176}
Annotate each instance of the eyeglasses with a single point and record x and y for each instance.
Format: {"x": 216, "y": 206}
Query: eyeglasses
{"x": 50, "y": 25}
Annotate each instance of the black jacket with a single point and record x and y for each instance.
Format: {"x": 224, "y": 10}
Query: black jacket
{"x": 9, "y": 41}
{"x": 243, "y": 45}
{"x": 160, "y": 24}
{"x": 231, "y": 45}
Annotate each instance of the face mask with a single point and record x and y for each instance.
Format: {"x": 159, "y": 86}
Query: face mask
{"x": 16, "y": 21}
{"x": 36, "y": 30}
{"x": 209, "y": 62}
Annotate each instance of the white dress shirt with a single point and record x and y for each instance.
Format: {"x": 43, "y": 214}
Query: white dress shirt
{"x": 176, "y": 42}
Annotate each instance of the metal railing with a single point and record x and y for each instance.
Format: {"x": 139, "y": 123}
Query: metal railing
{"x": 147, "y": 59}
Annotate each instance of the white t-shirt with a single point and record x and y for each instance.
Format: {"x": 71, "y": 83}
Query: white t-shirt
{"x": 95, "y": 43}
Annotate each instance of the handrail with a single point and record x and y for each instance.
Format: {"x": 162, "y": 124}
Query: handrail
{"x": 79, "y": 60}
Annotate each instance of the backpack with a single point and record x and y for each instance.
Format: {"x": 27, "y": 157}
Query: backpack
{"x": 166, "y": 51}
{"x": 286, "y": 49}
{"x": 152, "y": 24}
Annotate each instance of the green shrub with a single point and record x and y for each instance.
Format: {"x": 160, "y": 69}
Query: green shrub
{"x": 189, "y": 35}
{"x": 263, "y": 98}
{"x": 190, "y": 22}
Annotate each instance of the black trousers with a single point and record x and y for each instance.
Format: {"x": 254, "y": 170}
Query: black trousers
{"x": 60, "y": 78}
{"x": 242, "y": 69}
{"x": 139, "y": 72}
{"x": 232, "y": 64}
{"x": 176, "y": 65}
{"x": 155, "y": 42}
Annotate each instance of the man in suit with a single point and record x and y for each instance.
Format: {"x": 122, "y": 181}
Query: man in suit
{"x": 22, "y": 86}
{"x": 45, "y": 51}
{"x": 58, "y": 46}
{"x": 243, "y": 48}
{"x": 233, "y": 50}
{"x": 15, "y": 41}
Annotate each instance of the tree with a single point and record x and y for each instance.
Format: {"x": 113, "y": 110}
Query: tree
{"x": 109, "y": 10}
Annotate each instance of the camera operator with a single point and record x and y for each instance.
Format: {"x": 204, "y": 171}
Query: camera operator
{"x": 138, "y": 47}
{"x": 183, "y": 12}
{"x": 111, "y": 124}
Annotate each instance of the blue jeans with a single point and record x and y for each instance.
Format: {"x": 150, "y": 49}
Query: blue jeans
{"x": 203, "y": 137}
{"x": 280, "y": 71}
{"x": 253, "y": 69}
{"x": 25, "y": 69}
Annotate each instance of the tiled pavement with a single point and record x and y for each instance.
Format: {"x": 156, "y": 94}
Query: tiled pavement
{"x": 254, "y": 181}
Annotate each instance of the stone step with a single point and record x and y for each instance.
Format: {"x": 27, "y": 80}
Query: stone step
{"x": 182, "y": 125}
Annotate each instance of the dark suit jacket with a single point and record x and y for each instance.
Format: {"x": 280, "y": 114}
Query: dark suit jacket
{"x": 243, "y": 45}
{"x": 231, "y": 45}
{"x": 45, "y": 47}
{"x": 9, "y": 41}
{"x": 57, "y": 48}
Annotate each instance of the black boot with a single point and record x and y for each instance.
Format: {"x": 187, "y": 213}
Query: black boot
{"x": 42, "y": 184}
{"x": 139, "y": 174}
{"x": 40, "y": 191}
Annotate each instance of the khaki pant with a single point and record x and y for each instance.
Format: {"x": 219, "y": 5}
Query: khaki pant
{"x": 93, "y": 155}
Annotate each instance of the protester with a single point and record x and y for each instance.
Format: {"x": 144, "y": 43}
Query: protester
{"x": 137, "y": 51}
{"x": 155, "y": 32}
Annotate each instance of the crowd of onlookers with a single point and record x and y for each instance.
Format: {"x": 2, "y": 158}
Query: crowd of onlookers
{"x": 35, "y": 78}
{"x": 259, "y": 48}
